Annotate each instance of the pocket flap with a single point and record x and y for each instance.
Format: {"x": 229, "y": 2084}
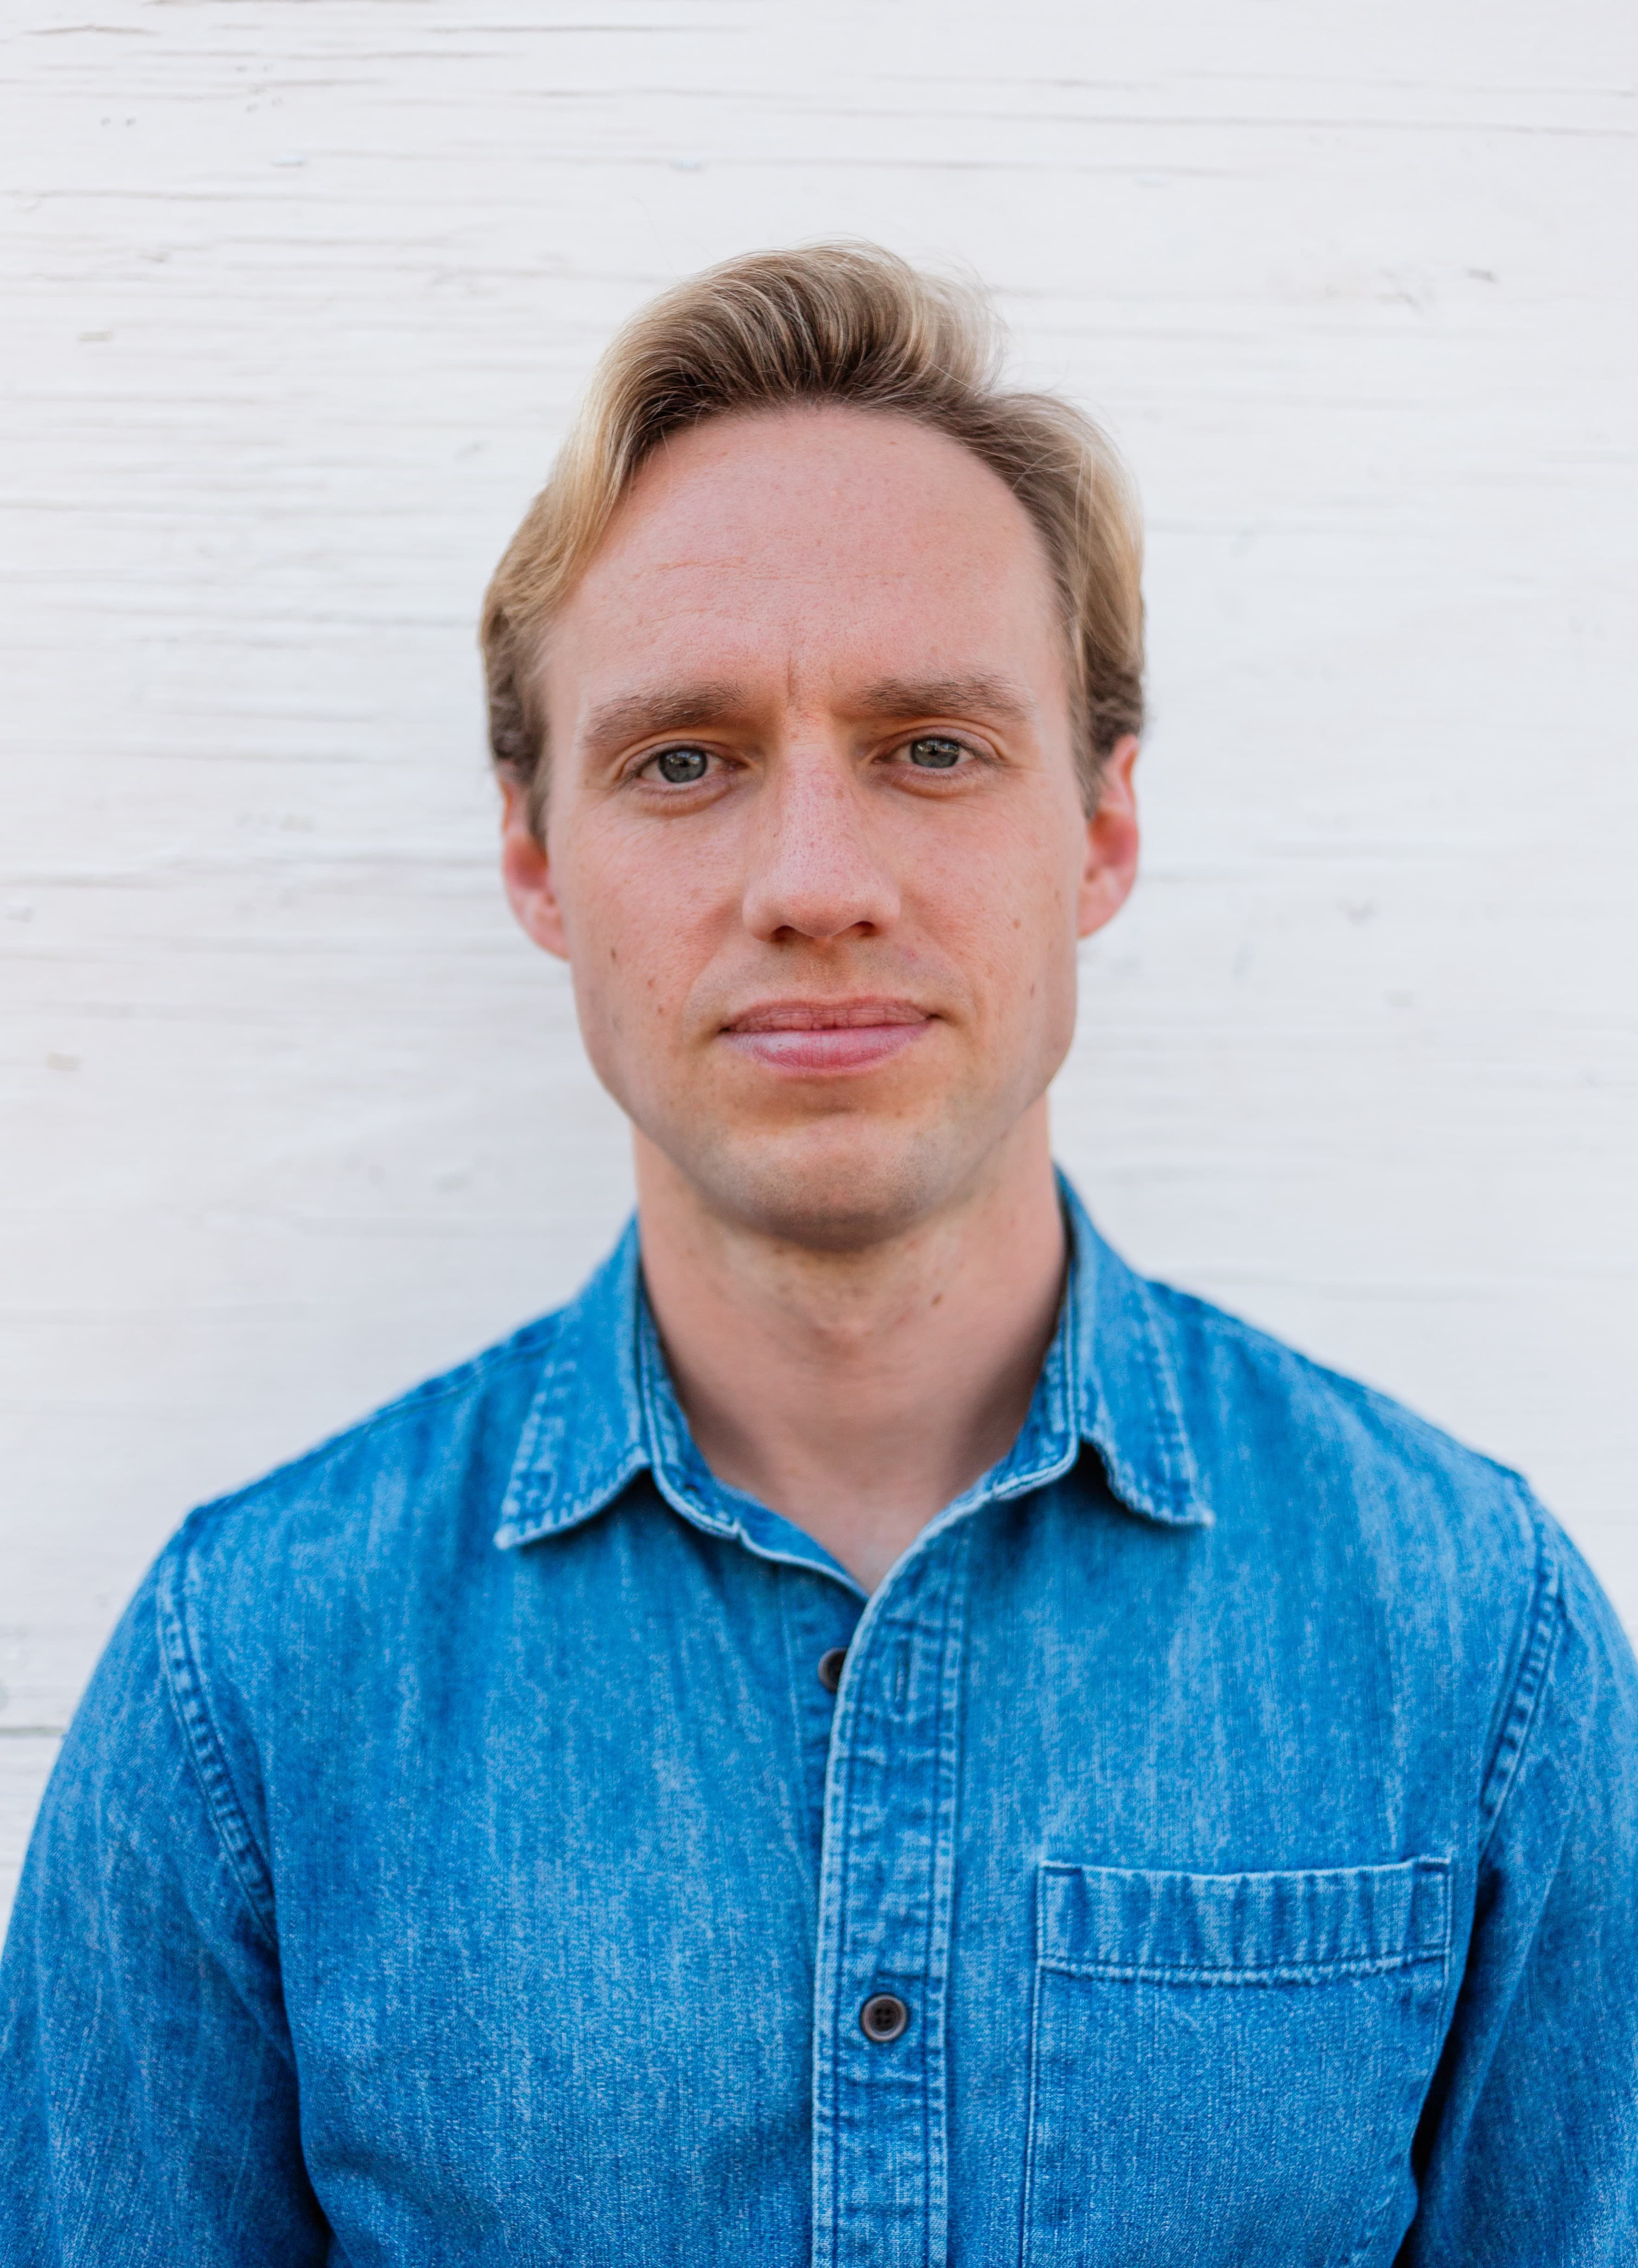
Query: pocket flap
{"x": 1242, "y": 1929}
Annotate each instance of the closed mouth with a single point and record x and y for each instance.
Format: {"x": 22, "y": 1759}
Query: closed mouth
{"x": 811, "y": 1038}
{"x": 825, "y": 1015}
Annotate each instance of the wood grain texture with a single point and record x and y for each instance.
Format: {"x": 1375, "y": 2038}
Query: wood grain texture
{"x": 297, "y": 299}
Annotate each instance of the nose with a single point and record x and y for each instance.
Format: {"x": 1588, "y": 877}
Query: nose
{"x": 816, "y": 870}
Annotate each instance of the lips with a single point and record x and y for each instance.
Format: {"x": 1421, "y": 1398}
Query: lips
{"x": 806, "y": 1037}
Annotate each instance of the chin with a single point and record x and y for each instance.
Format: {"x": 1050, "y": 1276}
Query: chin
{"x": 826, "y": 1188}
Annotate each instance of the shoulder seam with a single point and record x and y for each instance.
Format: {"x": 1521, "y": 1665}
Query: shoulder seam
{"x": 1363, "y": 1402}
{"x": 190, "y": 1699}
{"x": 1534, "y": 1670}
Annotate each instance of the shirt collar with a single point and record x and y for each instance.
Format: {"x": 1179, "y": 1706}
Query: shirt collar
{"x": 605, "y": 1411}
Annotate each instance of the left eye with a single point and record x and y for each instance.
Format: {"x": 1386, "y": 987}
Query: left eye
{"x": 935, "y": 753}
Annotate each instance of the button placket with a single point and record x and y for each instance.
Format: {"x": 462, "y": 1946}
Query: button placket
{"x": 886, "y": 1883}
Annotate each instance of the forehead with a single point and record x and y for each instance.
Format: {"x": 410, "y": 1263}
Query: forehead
{"x": 826, "y": 542}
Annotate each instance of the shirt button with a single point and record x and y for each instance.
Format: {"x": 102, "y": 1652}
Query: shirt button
{"x": 830, "y": 1664}
{"x": 883, "y": 2017}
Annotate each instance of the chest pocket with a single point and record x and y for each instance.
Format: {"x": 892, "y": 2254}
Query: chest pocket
{"x": 1228, "y": 2068}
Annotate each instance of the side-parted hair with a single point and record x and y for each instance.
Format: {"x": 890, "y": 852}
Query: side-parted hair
{"x": 843, "y": 323}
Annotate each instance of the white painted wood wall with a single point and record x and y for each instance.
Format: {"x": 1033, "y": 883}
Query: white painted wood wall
{"x": 297, "y": 294}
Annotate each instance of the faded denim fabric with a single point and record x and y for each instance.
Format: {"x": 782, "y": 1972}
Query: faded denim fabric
{"x": 457, "y": 1857}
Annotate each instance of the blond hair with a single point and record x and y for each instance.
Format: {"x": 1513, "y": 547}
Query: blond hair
{"x": 845, "y": 323}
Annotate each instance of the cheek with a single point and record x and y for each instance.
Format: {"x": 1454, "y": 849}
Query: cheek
{"x": 625, "y": 1014}
{"x": 1006, "y": 904}
{"x": 620, "y": 973}
{"x": 629, "y": 943}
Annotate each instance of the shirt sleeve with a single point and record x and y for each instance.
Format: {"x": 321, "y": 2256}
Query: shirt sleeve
{"x": 1531, "y": 2141}
{"x": 145, "y": 2062}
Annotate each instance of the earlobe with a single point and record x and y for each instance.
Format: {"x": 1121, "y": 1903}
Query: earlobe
{"x": 526, "y": 870}
{"x": 1111, "y": 842}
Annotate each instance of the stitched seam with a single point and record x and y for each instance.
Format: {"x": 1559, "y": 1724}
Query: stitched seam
{"x": 1534, "y": 1670}
{"x": 509, "y": 1536}
{"x": 1365, "y": 2244}
{"x": 523, "y": 1490}
{"x": 1166, "y": 1405}
{"x": 1304, "y": 1972}
{"x": 941, "y": 1904}
{"x": 1362, "y": 2251}
{"x": 185, "y": 1684}
{"x": 1432, "y": 1880}
{"x": 1031, "y": 2140}
{"x": 1433, "y": 1868}
{"x": 666, "y": 1449}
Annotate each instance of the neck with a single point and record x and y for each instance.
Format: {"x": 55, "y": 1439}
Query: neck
{"x": 858, "y": 1392}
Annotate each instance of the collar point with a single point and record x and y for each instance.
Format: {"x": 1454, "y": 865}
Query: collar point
{"x": 1179, "y": 1509}
{"x": 1185, "y": 1516}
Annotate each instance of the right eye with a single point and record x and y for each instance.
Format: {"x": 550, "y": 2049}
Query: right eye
{"x": 679, "y": 767}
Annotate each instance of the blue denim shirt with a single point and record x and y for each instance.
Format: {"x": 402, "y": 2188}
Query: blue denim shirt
{"x": 458, "y": 1857}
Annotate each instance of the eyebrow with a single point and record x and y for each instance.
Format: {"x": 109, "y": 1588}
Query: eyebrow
{"x": 696, "y": 708}
{"x": 980, "y": 694}
{"x": 662, "y": 708}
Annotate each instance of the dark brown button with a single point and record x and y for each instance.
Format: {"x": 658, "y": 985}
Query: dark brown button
{"x": 883, "y": 2017}
{"x": 830, "y": 1668}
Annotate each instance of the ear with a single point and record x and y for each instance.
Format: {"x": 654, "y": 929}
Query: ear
{"x": 1111, "y": 862}
{"x": 526, "y": 870}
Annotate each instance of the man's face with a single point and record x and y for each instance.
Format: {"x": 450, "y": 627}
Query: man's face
{"x": 815, "y": 848}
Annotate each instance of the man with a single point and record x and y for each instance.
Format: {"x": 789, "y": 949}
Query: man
{"x": 874, "y": 1735}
